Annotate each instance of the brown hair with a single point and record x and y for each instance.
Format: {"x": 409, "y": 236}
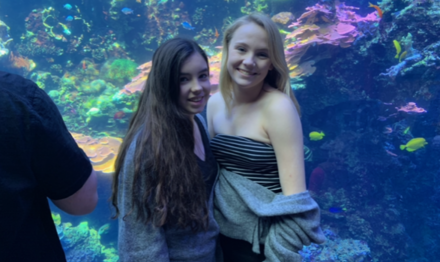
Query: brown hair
{"x": 168, "y": 187}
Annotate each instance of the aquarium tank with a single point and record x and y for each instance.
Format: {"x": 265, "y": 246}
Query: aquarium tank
{"x": 366, "y": 74}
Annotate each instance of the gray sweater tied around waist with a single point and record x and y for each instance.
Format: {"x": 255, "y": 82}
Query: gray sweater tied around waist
{"x": 248, "y": 211}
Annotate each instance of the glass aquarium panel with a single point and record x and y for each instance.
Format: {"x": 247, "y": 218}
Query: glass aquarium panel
{"x": 366, "y": 75}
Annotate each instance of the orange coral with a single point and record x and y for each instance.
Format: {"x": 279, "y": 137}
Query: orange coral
{"x": 21, "y": 62}
{"x": 102, "y": 151}
{"x": 283, "y": 17}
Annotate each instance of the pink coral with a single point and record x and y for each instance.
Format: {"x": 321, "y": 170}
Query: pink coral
{"x": 321, "y": 25}
{"x": 411, "y": 108}
{"x": 137, "y": 84}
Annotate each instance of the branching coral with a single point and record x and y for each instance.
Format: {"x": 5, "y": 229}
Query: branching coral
{"x": 322, "y": 25}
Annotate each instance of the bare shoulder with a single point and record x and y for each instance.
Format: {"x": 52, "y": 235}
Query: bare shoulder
{"x": 216, "y": 98}
{"x": 277, "y": 102}
{"x": 215, "y": 101}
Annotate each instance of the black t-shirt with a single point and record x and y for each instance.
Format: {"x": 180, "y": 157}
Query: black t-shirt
{"x": 38, "y": 159}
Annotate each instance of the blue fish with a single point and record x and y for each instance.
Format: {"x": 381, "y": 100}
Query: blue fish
{"x": 67, "y": 6}
{"x": 69, "y": 18}
{"x": 336, "y": 210}
{"x": 127, "y": 11}
{"x": 186, "y": 25}
{"x": 67, "y": 31}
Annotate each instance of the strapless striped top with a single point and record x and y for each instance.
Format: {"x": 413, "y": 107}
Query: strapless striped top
{"x": 252, "y": 159}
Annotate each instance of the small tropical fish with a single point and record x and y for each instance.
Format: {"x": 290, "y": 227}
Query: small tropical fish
{"x": 398, "y": 48}
{"x": 315, "y": 136}
{"x": 187, "y": 26}
{"x": 284, "y": 32}
{"x": 379, "y": 11}
{"x": 84, "y": 65}
{"x": 293, "y": 67}
{"x": 119, "y": 115}
{"x": 104, "y": 229}
{"x": 69, "y": 18}
{"x": 403, "y": 56}
{"x": 336, "y": 210}
{"x": 406, "y": 130}
{"x": 127, "y": 11}
{"x": 162, "y": 2}
{"x": 67, "y": 6}
{"x": 216, "y": 33}
{"x": 67, "y": 31}
{"x": 414, "y": 144}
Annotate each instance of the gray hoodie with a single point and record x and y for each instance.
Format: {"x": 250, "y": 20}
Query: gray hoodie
{"x": 144, "y": 242}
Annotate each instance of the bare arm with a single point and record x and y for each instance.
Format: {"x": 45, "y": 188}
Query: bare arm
{"x": 83, "y": 201}
{"x": 285, "y": 133}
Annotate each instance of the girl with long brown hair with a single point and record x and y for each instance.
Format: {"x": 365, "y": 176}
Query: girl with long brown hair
{"x": 165, "y": 171}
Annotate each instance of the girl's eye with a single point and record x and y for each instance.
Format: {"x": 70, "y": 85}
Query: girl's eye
{"x": 204, "y": 76}
{"x": 183, "y": 79}
{"x": 263, "y": 55}
{"x": 241, "y": 49}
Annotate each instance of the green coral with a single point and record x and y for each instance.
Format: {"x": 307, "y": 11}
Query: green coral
{"x": 56, "y": 218}
{"x": 121, "y": 70}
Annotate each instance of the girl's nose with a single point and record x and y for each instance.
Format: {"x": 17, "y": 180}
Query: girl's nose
{"x": 196, "y": 87}
{"x": 249, "y": 61}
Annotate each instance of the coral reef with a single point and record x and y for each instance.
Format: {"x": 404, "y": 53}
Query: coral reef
{"x": 5, "y": 40}
{"x": 102, "y": 151}
{"x": 337, "y": 249}
{"x": 82, "y": 244}
{"x": 119, "y": 70}
{"x": 411, "y": 108}
{"x": 322, "y": 24}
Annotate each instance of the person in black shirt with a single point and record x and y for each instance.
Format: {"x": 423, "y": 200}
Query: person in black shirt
{"x": 39, "y": 159}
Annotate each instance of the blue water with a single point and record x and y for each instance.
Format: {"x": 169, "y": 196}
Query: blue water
{"x": 379, "y": 202}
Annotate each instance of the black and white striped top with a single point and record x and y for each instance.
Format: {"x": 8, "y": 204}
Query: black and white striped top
{"x": 252, "y": 159}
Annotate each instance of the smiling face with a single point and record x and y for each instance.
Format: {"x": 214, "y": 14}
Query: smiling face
{"x": 194, "y": 84}
{"x": 248, "y": 56}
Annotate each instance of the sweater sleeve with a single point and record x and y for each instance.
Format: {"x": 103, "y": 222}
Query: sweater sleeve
{"x": 137, "y": 241}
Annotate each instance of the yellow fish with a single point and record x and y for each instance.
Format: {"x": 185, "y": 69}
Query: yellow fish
{"x": 315, "y": 136}
{"x": 398, "y": 48}
{"x": 402, "y": 56}
{"x": 414, "y": 144}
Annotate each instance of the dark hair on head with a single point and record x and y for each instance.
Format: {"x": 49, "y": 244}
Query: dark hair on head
{"x": 168, "y": 187}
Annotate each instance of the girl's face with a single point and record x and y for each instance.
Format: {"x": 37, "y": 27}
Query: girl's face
{"x": 248, "y": 56}
{"x": 194, "y": 84}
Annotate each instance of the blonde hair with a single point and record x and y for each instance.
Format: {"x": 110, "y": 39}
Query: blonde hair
{"x": 278, "y": 77}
